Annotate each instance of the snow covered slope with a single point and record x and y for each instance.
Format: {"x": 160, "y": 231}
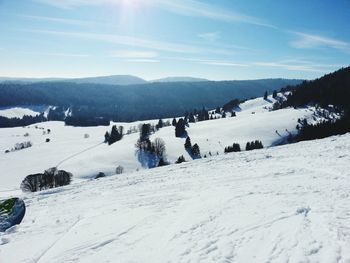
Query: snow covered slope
{"x": 17, "y": 112}
{"x": 253, "y": 122}
{"x": 282, "y": 204}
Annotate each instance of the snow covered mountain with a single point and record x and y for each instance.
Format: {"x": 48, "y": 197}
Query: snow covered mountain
{"x": 254, "y": 121}
{"x": 288, "y": 203}
{"x": 271, "y": 205}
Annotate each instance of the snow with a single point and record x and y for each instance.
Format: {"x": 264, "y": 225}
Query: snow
{"x": 288, "y": 203}
{"x": 17, "y": 112}
{"x": 86, "y": 157}
{"x": 281, "y": 204}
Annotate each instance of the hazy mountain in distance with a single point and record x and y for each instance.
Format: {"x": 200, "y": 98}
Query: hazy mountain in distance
{"x": 120, "y": 80}
{"x": 179, "y": 79}
{"x": 15, "y": 80}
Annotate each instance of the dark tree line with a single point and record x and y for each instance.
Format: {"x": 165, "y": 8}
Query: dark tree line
{"x": 254, "y": 145}
{"x": 17, "y": 122}
{"x": 86, "y": 122}
{"x": 323, "y": 129}
{"x": 234, "y": 148}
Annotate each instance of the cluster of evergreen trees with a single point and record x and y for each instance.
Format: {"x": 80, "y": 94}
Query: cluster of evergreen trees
{"x": 234, "y": 148}
{"x": 331, "y": 89}
{"x": 254, "y": 145}
{"x": 323, "y": 129}
{"x": 115, "y": 135}
{"x": 193, "y": 150}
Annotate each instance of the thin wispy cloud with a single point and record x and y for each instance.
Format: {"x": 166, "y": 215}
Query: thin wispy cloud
{"x": 192, "y": 8}
{"x": 309, "y": 41}
{"x": 131, "y": 41}
{"x": 142, "y": 60}
{"x": 57, "y": 20}
{"x": 123, "y": 40}
{"x": 305, "y": 66}
{"x": 54, "y": 54}
{"x": 210, "y": 36}
{"x": 211, "y": 62}
{"x": 199, "y": 9}
{"x": 134, "y": 54}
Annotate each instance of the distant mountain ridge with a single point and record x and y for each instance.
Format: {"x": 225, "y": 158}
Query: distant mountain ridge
{"x": 136, "y": 102}
{"x": 121, "y": 80}
{"x": 180, "y": 79}
{"x": 107, "y": 80}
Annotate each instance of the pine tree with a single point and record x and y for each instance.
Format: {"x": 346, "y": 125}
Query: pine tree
{"x": 188, "y": 144}
{"x": 196, "y": 151}
{"x": 160, "y": 124}
{"x": 174, "y": 122}
{"x": 265, "y": 95}
{"x": 191, "y": 118}
{"x": 248, "y": 147}
{"x": 274, "y": 94}
{"x": 180, "y": 128}
{"x": 181, "y": 159}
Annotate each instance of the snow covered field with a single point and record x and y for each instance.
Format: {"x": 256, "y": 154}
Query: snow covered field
{"x": 282, "y": 204}
{"x": 253, "y": 122}
{"x": 17, "y": 112}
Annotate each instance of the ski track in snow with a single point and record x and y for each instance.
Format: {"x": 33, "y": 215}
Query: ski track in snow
{"x": 282, "y": 204}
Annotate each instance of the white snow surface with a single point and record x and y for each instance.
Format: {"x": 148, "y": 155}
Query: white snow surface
{"x": 86, "y": 157}
{"x": 282, "y": 204}
{"x": 17, "y": 112}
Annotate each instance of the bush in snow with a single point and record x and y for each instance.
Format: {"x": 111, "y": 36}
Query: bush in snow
{"x": 100, "y": 175}
{"x": 181, "y": 159}
{"x": 119, "y": 169}
{"x": 20, "y": 146}
{"x": 150, "y": 154}
{"x": 86, "y": 136}
{"x": 195, "y": 151}
{"x": 51, "y": 178}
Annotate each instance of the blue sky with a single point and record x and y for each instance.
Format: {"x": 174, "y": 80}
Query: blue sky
{"x": 214, "y": 39}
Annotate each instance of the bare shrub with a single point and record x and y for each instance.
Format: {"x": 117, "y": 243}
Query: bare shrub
{"x": 119, "y": 169}
{"x": 51, "y": 178}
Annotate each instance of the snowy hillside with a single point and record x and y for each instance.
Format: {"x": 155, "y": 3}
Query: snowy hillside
{"x": 253, "y": 122}
{"x": 17, "y": 112}
{"x": 283, "y": 204}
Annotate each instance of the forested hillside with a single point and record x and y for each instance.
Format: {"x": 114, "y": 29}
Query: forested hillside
{"x": 331, "y": 92}
{"x": 136, "y": 102}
